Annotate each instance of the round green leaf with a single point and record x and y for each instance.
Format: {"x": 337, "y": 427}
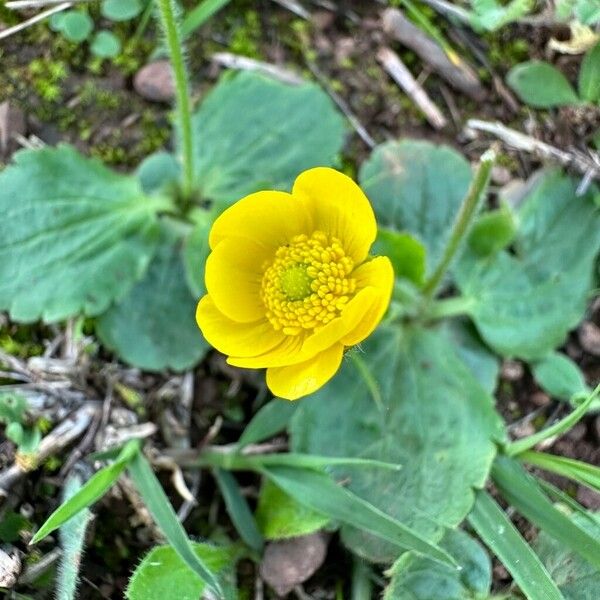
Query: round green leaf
{"x": 492, "y": 231}
{"x": 153, "y": 327}
{"x": 524, "y": 304}
{"x": 254, "y": 133}
{"x": 159, "y": 171}
{"x": 74, "y": 236}
{"x": 56, "y": 21}
{"x": 589, "y": 75}
{"x": 419, "y": 578}
{"x": 428, "y": 415}
{"x": 76, "y": 25}
{"x": 162, "y": 571}
{"x": 105, "y": 45}
{"x": 541, "y": 85}
{"x": 417, "y": 187}
{"x": 121, "y": 10}
{"x": 558, "y": 375}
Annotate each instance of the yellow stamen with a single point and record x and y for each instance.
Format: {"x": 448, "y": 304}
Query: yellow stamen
{"x": 308, "y": 283}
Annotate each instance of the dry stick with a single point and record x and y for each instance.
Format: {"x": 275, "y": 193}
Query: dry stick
{"x": 402, "y": 76}
{"x": 294, "y": 7}
{"x": 58, "y": 439}
{"x": 243, "y": 63}
{"x": 588, "y": 165}
{"x": 25, "y": 24}
{"x": 462, "y": 76}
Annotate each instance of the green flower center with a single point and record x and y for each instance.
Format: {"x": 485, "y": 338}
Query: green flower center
{"x": 295, "y": 282}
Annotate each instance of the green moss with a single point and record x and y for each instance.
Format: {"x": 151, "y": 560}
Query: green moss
{"x": 246, "y": 37}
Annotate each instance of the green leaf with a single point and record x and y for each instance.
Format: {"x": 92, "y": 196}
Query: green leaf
{"x": 587, "y": 11}
{"x": 589, "y": 74}
{"x": 503, "y": 539}
{"x": 321, "y": 493}
{"x": 89, "y": 493}
{"x": 521, "y": 491}
{"x": 159, "y": 171}
{"x": 576, "y": 578}
{"x": 581, "y": 472}
{"x": 154, "y": 327}
{"x": 279, "y": 516}
{"x": 492, "y": 231}
{"x": 75, "y": 25}
{"x": 270, "y": 420}
{"x": 407, "y": 254}
{"x": 238, "y": 510}
{"x": 164, "y": 516}
{"x": 524, "y": 304}
{"x": 417, "y": 187}
{"x": 162, "y": 571}
{"x": 558, "y": 375}
{"x": 419, "y": 578}
{"x": 444, "y": 454}
{"x": 254, "y": 133}
{"x": 120, "y": 10}
{"x": 79, "y": 235}
{"x": 105, "y": 45}
{"x": 491, "y": 14}
{"x": 200, "y": 14}
{"x": 196, "y": 251}
{"x": 541, "y": 85}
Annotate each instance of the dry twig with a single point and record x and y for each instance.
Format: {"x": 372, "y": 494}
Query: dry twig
{"x": 243, "y": 63}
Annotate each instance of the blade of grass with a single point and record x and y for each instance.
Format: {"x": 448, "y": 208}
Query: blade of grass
{"x": 238, "y": 510}
{"x": 272, "y": 418}
{"x": 199, "y": 15}
{"x": 502, "y": 538}
{"x": 162, "y": 512}
{"x": 521, "y": 491}
{"x": 94, "y": 489}
{"x": 578, "y": 471}
{"x": 321, "y": 493}
{"x": 560, "y": 496}
{"x": 557, "y": 429}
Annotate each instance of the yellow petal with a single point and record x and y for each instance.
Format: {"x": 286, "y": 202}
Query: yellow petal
{"x": 233, "y": 278}
{"x": 339, "y": 208}
{"x": 271, "y": 218}
{"x": 230, "y": 337}
{"x": 335, "y": 330}
{"x": 299, "y": 380}
{"x": 378, "y": 274}
{"x": 288, "y": 352}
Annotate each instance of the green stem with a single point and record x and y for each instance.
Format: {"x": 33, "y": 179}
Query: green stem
{"x": 171, "y": 29}
{"x": 449, "y": 307}
{"x": 465, "y": 215}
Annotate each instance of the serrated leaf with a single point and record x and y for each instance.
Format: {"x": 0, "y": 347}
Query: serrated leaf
{"x": 416, "y": 187}
{"x": 120, "y": 10}
{"x": 408, "y": 255}
{"x": 419, "y": 578}
{"x": 76, "y": 240}
{"x": 589, "y": 75}
{"x": 162, "y": 571}
{"x": 154, "y": 327}
{"x": 279, "y": 516}
{"x": 524, "y": 304}
{"x": 539, "y": 84}
{"x": 253, "y": 133}
{"x": 560, "y": 377}
{"x": 575, "y": 577}
{"x": 444, "y": 453}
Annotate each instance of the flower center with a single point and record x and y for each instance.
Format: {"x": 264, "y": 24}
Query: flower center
{"x": 307, "y": 284}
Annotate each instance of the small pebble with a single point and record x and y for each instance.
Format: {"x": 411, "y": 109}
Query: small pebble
{"x": 512, "y": 370}
{"x": 589, "y": 337}
{"x": 154, "y": 82}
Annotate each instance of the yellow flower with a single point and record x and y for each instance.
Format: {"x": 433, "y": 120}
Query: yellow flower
{"x": 290, "y": 281}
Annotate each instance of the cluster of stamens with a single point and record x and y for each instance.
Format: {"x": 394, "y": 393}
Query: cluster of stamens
{"x": 307, "y": 284}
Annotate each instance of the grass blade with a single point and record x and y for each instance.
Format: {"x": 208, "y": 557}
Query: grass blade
{"x": 272, "y": 418}
{"x": 238, "y": 510}
{"x": 321, "y": 493}
{"x": 93, "y": 490}
{"x": 521, "y": 490}
{"x": 502, "y": 538}
{"x": 162, "y": 512}
{"x": 199, "y": 15}
{"x": 578, "y": 471}
{"x": 557, "y": 429}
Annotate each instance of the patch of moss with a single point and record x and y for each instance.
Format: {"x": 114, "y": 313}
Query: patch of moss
{"x": 247, "y": 35}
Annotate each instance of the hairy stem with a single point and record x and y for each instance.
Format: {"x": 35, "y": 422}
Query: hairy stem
{"x": 172, "y": 32}
{"x": 464, "y": 218}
